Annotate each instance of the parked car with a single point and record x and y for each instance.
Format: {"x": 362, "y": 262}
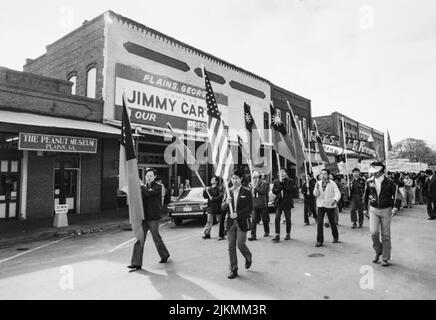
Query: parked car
{"x": 190, "y": 204}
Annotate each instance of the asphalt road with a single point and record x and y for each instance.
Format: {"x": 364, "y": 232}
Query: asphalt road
{"x": 94, "y": 266}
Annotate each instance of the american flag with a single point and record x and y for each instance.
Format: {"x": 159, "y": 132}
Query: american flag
{"x": 219, "y": 145}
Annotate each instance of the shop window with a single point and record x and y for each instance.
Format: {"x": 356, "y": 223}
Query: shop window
{"x": 91, "y": 82}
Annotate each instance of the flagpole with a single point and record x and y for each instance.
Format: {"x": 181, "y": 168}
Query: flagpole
{"x": 300, "y": 128}
{"x": 346, "y": 158}
{"x": 316, "y": 143}
{"x": 187, "y": 150}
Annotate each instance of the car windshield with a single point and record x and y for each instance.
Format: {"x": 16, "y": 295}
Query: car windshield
{"x": 192, "y": 194}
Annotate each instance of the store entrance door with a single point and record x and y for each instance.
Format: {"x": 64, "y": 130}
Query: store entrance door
{"x": 70, "y": 188}
{"x": 9, "y": 189}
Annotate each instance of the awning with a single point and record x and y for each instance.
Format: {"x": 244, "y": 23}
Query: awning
{"x": 29, "y": 119}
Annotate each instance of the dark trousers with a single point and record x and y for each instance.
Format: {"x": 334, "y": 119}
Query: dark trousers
{"x": 279, "y": 210}
{"x": 237, "y": 239}
{"x": 331, "y": 216}
{"x": 221, "y": 230}
{"x": 138, "y": 249}
{"x": 309, "y": 206}
{"x": 356, "y": 205}
{"x": 257, "y": 214}
{"x": 431, "y": 208}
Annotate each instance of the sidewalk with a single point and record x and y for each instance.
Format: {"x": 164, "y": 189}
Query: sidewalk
{"x": 14, "y": 232}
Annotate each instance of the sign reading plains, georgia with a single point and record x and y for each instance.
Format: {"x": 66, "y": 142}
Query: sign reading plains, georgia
{"x": 155, "y": 100}
{"x": 45, "y": 142}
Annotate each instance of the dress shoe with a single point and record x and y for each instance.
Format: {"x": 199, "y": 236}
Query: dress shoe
{"x": 360, "y": 226}
{"x": 385, "y": 263}
{"x": 206, "y": 236}
{"x": 354, "y": 225}
{"x": 335, "y": 240}
{"x": 232, "y": 274}
{"x": 288, "y": 237}
{"x": 318, "y": 244}
{"x": 432, "y": 218}
{"x": 326, "y": 225}
{"x": 307, "y": 223}
{"x": 252, "y": 239}
{"x": 134, "y": 268}
{"x": 248, "y": 263}
{"x": 266, "y": 235}
{"x": 276, "y": 239}
{"x": 164, "y": 260}
{"x": 221, "y": 238}
{"x": 376, "y": 258}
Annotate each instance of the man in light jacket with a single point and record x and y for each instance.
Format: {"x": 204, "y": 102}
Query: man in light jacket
{"x": 327, "y": 196}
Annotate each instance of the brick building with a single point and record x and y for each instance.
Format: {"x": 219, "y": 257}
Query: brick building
{"x": 355, "y": 132}
{"x": 162, "y": 79}
{"x": 51, "y": 147}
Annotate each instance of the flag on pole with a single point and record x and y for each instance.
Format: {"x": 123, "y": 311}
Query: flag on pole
{"x": 375, "y": 146}
{"x": 219, "y": 146}
{"x": 389, "y": 142}
{"x": 253, "y": 135}
{"x": 282, "y": 142}
{"x": 321, "y": 149}
{"x": 129, "y": 181}
{"x": 298, "y": 143}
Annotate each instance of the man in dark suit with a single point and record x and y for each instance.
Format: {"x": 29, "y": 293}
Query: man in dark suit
{"x": 152, "y": 200}
{"x": 431, "y": 195}
{"x": 309, "y": 199}
{"x": 283, "y": 188}
{"x": 238, "y": 208}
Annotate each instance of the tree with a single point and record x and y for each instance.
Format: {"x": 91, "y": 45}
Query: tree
{"x": 415, "y": 150}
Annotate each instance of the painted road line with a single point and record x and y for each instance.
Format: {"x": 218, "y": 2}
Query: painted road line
{"x": 121, "y": 245}
{"x": 34, "y": 249}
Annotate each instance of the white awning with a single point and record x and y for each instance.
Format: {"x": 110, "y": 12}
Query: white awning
{"x": 29, "y": 119}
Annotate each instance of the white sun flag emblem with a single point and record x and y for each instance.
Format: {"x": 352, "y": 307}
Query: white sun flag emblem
{"x": 248, "y": 118}
{"x": 277, "y": 121}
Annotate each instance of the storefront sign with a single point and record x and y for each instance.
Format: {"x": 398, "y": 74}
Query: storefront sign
{"x": 155, "y": 100}
{"x": 45, "y": 142}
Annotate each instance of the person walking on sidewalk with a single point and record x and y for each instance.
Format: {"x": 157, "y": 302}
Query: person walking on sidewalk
{"x": 213, "y": 208}
{"x": 238, "y": 222}
{"x": 379, "y": 200}
{"x": 284, "y": 202}
{"x": 152, "y": 201}
{"x": 408, "y": 184}
{"x": 327, "y": 196}
{"x": 357, "y": 188}
{"x": 309, "y": 199}
{"x": 260, "y": 189}
{"x": 431, "y": 195}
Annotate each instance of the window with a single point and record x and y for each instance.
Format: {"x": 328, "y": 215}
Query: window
{"x": 91, "y": 82}
{"x": 73, "y": 79}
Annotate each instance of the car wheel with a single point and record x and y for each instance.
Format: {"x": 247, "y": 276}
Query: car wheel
{"x": 178, "y": 221}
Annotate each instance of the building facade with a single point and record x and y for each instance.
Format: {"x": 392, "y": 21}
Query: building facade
{"x": 162, "y": 79}
{"x": 51, "y": 147}
{"x": 356, "y": 136}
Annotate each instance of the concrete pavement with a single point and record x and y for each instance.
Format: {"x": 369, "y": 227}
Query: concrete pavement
{"x": 93, "y": 266}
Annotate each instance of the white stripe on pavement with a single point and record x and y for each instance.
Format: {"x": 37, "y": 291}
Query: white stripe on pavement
{"x": 34, "y": 249}
{"x": 122, "y": 245}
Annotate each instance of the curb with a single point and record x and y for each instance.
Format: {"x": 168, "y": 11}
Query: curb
{"x": 72, "y": 231}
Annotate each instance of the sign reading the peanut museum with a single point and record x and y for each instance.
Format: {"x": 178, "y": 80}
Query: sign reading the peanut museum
{"x": 45, "y": 142}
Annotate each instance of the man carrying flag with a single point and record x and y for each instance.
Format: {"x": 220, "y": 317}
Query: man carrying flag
{"x": 129, "y": 182}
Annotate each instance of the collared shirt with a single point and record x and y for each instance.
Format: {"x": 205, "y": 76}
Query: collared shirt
{"x": 235, "y": 196}
{"x": 378, "y": 181}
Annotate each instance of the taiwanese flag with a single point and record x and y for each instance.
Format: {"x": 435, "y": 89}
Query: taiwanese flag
{"x": 253, "y": 135}
{"x": 129, "y": 181}
{"x": 321, "y": 150}
{"x": 282, "y": 142}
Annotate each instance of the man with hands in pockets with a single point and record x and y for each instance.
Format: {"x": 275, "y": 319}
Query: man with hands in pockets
{"x": 327, "y": 196}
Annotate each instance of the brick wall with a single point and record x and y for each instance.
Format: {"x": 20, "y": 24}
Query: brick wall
{"x": 90, "y": 187}
{"x": 73, "y": 54}
{"x": 40, "y": 188}
{"x": 110, "y": 174}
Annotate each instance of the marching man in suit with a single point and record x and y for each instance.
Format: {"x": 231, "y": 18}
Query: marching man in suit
{"x": 238, "y": 223}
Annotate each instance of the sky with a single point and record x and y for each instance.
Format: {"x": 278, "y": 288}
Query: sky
{"x": 374, "y": 61}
